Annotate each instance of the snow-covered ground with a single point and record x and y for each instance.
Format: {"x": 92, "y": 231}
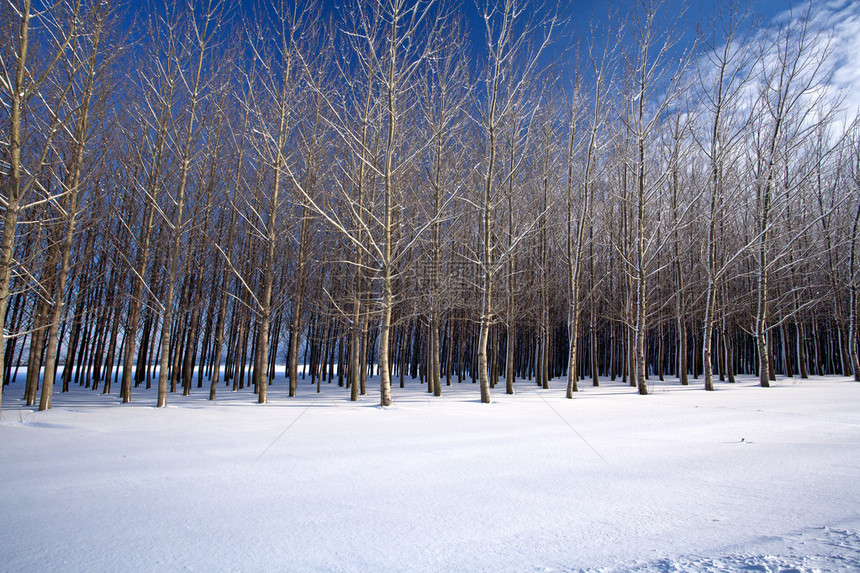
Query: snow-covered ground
{"x": 744, "y": 478}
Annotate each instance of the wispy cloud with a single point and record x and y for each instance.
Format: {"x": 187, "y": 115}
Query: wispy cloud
{"x": 844, "y": 19}
{"x": 839, "y": 22}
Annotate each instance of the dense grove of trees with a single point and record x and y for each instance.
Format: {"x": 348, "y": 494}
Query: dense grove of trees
{"x": 382, "y": 191}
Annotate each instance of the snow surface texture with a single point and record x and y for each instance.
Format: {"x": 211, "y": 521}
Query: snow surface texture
{"x": 741, "y": 479}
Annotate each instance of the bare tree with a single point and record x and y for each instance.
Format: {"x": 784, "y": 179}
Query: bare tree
{"x": 444, "y": 96}
{"x": 25, "y": 87}
{"x": 202, "y": 26}
{"x": 791, "y": 74}
{"x": 510, "y": 67}
{"x": 388, "y": 42}
{"x": 85, "y": 55}
{"x": 652, "y": 93}
{"x": 155, "y": 112}
{"x": 278, "y": 80}
{"x": 583, "y": 179}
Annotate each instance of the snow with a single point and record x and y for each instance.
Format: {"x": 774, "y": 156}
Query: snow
{"x": 743, "y": 478}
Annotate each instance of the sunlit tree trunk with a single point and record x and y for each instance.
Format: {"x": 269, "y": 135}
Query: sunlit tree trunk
{"x": 70, "y": 203}
{"x": 203, "y": 36}
{"x": 27, "y": 82}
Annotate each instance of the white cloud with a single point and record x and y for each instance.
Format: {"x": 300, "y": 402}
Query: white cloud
{"x": 839, "y": 22}
{"x": 844, "y": 18}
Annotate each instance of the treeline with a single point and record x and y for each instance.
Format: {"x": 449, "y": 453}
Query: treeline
{"x": 371, "y": 191}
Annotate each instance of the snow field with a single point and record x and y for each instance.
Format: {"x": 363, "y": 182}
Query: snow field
{"x": 744, "y": 478}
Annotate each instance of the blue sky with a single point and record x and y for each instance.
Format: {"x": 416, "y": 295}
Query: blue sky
{"x": 839, "y": 18}
{"x": 579, "y": 13}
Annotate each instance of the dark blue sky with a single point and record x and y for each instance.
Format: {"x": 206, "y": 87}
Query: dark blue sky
{"x": 581, "y": 12}
{"x": 578, "y": 13}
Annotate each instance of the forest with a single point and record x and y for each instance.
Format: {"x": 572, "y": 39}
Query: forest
{"x": 233, "y": 197}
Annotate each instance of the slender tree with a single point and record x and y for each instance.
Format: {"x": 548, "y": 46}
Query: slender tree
{"x": 86, "y": 54}
{"x": 24, "y": 87}
{"x": 511, "y": 65}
